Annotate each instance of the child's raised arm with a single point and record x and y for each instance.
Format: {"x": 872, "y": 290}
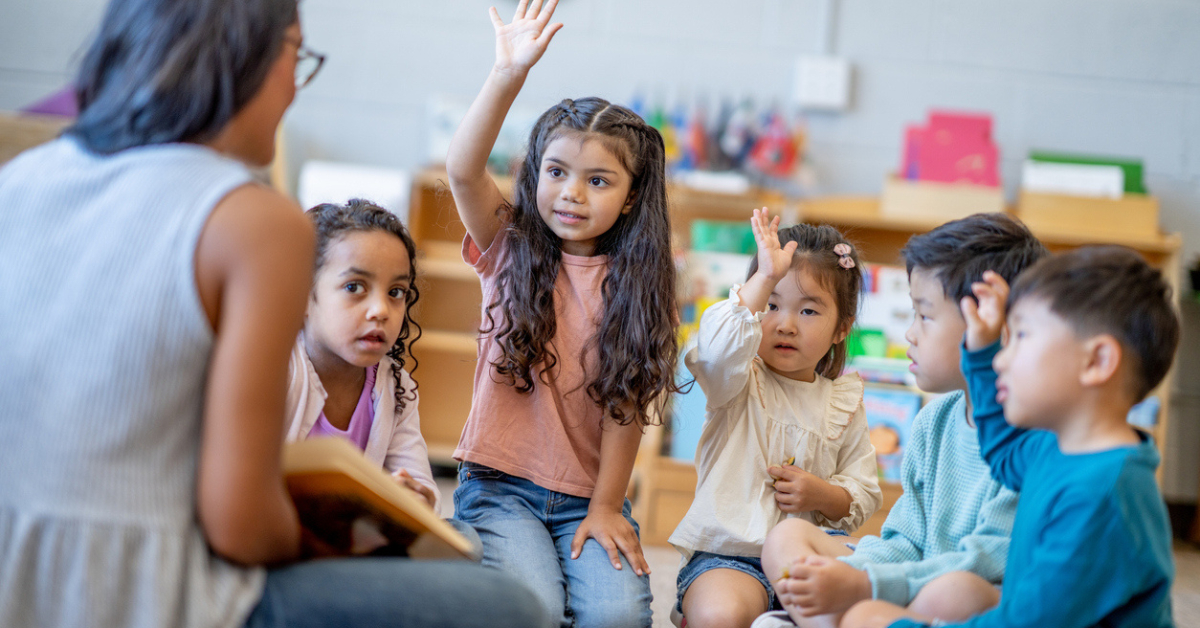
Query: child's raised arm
{"x": 773, "y": 262}
{"x": 519, "y": 45}
{"x": 1006, "y": 449}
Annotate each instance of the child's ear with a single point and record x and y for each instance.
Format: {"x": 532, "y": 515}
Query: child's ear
{"x": 1102, "y": 360}
{"x": 629, "y": 202}
{"x": 844, "y": 330}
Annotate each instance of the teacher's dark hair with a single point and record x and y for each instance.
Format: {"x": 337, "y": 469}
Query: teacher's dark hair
{"x": 162, "y": 71}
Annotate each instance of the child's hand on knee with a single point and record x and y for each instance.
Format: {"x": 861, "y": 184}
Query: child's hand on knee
{"x": 615, "y": 534}
{"x": 819, "y": 585}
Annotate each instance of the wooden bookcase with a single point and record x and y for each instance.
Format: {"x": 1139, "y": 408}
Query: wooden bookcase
{"x": 21, "y": 131}
{"x": 662, "y": 488}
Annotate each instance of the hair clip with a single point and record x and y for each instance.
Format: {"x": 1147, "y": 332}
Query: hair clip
{"x": 842, "y": 250}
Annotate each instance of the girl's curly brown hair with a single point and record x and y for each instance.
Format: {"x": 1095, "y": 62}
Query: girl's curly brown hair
{"x": 331, "y": 222}
{"x": 635, "y": 340}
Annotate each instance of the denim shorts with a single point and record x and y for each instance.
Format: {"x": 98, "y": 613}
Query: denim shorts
{"x": 852, "y": 546}
{"x": 706, "y": 561}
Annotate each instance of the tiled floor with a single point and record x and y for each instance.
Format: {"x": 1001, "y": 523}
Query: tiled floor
{"x": 664, "y": 565}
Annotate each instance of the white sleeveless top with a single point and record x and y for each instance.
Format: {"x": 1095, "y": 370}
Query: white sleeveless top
{"x": 104, "y": 347}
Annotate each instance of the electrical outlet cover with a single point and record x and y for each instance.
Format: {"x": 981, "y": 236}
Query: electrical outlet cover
{"x": 822, "y": 83}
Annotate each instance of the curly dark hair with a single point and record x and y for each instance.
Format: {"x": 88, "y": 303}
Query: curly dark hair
{"x": 331, "y": 222}
{"x": 635, "y": 340}
{"x": 814, "y": 253}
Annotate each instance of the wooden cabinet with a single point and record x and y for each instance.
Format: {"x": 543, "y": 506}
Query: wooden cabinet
{"x": 448, "y": 313}
{"x": 661, "y": 488}
{"x": 20, "y": 132}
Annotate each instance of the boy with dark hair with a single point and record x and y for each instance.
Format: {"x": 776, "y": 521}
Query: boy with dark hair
{"x": 941, "y": 551}
{"x": 1089, "y": 334}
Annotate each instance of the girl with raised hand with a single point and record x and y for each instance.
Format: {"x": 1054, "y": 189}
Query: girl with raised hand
{"x": 577, "y": 352}
{"x": 784, "y": 433}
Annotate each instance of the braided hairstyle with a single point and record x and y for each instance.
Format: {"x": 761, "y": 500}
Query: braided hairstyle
{"x": 635, "y": 339}
{"x": 333, "y": 221}
{"x": 840, "y": 274}
{"x": 1110, "y": 290}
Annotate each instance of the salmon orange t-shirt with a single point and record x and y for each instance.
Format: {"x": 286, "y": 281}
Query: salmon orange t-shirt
{"x": 551, "y": 435}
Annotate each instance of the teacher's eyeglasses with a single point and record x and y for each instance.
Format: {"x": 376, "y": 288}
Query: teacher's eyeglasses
{"x": 308, "y": 63}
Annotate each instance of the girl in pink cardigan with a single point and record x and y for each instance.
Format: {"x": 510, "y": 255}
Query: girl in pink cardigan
{"x": 346, "y": 374}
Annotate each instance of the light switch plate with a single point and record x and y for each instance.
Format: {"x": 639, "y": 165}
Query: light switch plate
{"x": 822, "y": 83}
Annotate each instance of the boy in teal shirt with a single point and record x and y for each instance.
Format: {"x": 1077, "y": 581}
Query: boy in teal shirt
{"x": 953, "y": 518}
{"x": 1089, "y": 334}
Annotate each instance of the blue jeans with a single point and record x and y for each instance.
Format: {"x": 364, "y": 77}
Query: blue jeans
{"x": 377, "y": 592}
{"x": 468, "y": 532}
{"x": 527, "y": 531}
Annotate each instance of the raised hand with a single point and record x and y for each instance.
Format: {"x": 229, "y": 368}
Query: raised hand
{"x": 773, "y": 261}
{"x": 522, "y": 42}
{"x": 985, "y": 320}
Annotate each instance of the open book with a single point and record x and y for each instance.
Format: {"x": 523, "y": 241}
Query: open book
{"x": 342, "y": 498}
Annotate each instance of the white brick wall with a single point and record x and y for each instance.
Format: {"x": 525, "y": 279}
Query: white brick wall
{"x": 1119, "y": 77}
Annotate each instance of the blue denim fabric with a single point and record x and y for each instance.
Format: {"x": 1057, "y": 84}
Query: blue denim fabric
{"x": 527, "y": 531}
{"x": 852, "y": 546}
{"x": 707, "y": 561}
{"x": 468, "y": 532}
{"x": 378, "y": 592}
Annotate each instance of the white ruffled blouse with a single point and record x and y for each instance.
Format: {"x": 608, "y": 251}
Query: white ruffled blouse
{"x": 754, "y": 419}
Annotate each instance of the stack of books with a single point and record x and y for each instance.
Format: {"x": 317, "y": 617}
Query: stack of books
{"x": 951, "y": 148}
{"x": 1081, "y": 175}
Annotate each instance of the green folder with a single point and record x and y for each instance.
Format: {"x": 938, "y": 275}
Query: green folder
{"x": 1133, "y": 169}
{"x": 723, "y": 236}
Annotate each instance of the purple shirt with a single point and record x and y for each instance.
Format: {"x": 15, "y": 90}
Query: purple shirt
{"x": 359, "y": 429}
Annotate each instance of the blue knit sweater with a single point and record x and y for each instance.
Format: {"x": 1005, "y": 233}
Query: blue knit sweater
{"x": 952, "y": 516}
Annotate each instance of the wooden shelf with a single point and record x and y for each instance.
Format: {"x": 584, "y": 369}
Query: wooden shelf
{"x": 848, "y": 210}
{"x": 22, "y": 131}
{"x": 884, "y": 235}
{"x": 442, "y": 454}
{"x": 863, "y": 211}
{"x": 448, "y": 342}
{"x": 437, "y": 261}
{"x": 443, "y": 251}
